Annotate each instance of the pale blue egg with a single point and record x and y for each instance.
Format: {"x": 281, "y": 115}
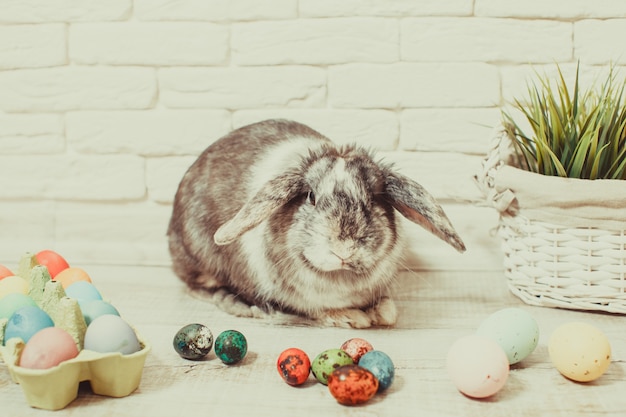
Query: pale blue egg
{"x": 96, "y": 308}
{"x": 514, "y": 329}
{"x": 83, "y": 291}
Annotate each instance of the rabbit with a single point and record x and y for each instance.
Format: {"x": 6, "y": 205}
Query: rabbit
{"x": 276, "y": 218}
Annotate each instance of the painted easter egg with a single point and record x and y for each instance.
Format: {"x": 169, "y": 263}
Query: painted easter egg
{"x": 294, "y": 366}
{"x": 10, "y": 303}
{"x": 83, "y": 291}
{"x": 95, "y": 308}
{"x": 5, "y": 272}
{"x": 47, "y": 348}
{"x": 356, "y": 347}
{"x": 326, "y": 362}
{"x": 25, "y": 322}
{"x": 381, "y": 366}
{"x": 477, "y": 366}
{"x": 580, "y": 351}
{"x": 13, "y": 284}
{"x": 231, "y": 346}
{"x": 352, "y": 384}
{"x": 110, "y": 333}
{"x": 53, "y": 261}
{"x": 71, "y": 275}
{"x": 193, "y": 341}
{"x": 515, "y": 330}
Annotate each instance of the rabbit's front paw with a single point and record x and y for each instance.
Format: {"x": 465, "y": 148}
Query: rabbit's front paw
{"x": 384, "y": 313}
{"x": 348, "y": 318}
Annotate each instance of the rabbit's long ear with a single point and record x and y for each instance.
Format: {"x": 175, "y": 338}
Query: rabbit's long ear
{"x": 416, "y": 204}
{"x": 273, "y": 195}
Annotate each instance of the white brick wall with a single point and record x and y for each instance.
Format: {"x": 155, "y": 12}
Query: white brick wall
{"x": 104, "y": 104}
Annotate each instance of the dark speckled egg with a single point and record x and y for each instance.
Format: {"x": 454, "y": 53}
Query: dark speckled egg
{"x": 294, "y": 366}
{"x": 194, "y": 341}
{"x": 231, "y": 346}
{"x": 352, "y": 385}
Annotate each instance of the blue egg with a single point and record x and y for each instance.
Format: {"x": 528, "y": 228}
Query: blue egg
{"x": 25, "y": 322}
{"x": 83, "y": 291}
{"x": 96, "y": 308}
{"x": 379, "y": 364}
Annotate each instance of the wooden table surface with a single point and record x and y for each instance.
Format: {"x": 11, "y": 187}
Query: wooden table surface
{"x": 436, "y": 308}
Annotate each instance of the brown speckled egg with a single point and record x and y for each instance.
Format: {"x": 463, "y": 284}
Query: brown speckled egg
{"x": 356, "y": 347}
{"x": 352, "y": 385}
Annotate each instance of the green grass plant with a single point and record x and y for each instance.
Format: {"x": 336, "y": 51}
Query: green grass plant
{"x": 575, "y": 134}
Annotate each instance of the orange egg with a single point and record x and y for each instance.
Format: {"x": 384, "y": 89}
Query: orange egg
{"x": 71, "y": 275}
{"x": 5, "y": 272}
{"x": 53, "y": 261}
{"x": 352, "y": 385}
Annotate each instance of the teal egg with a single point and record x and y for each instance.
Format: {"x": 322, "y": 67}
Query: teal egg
{"x": 326, "y": 362}
{"x": 231, "y": 346}
{"x": 10, "y": 303}
{"x": 379, "y": 364}
{"x": 25, "y": 322}
{"x": 95, "y": 308}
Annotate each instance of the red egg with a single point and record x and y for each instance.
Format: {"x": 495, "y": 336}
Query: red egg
{"x": 48, "y": 348}
{"x": 5, "y": 272}
{"x": 352, "y": 385}
{"x": 356, "y": 347}
{"x": 53, "y": 261}
{"x": 294, "y": 366}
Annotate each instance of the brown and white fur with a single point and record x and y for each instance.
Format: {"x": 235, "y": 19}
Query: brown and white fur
{"x": 275, "y": 217}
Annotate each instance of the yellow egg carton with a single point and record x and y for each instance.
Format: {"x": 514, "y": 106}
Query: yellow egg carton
{"x": 110, "y": 374}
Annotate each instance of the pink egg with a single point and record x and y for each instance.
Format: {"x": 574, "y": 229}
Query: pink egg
{"x": 356, "y": 347}
{"x": 477, "y": 366}
{"x": 48, "y": 348}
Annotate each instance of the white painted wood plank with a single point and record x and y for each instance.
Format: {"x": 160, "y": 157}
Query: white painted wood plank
{"x": 436, "y": 308}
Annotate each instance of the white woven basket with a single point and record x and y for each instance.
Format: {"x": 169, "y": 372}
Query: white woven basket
{"x": 552, "y": 265}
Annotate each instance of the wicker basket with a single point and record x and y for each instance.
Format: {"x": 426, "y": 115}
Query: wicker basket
{"x": 572, "y": 266}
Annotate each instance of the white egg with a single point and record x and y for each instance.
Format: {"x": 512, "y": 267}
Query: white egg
{"x": 110, "y": 333}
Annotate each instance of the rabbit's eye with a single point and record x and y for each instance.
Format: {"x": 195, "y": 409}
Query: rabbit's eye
{"x": 311, "y": 197}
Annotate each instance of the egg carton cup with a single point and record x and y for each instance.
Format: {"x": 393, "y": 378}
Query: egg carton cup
{"x": 563, "y": 239}
{"x": 109, "y": 374}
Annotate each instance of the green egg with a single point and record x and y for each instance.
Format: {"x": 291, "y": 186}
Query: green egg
{"x": 10, "y": 303}
{"x": 326, "y": 362}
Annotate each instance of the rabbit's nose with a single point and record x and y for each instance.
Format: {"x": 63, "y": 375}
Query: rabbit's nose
{"x": 344, "y": 250}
